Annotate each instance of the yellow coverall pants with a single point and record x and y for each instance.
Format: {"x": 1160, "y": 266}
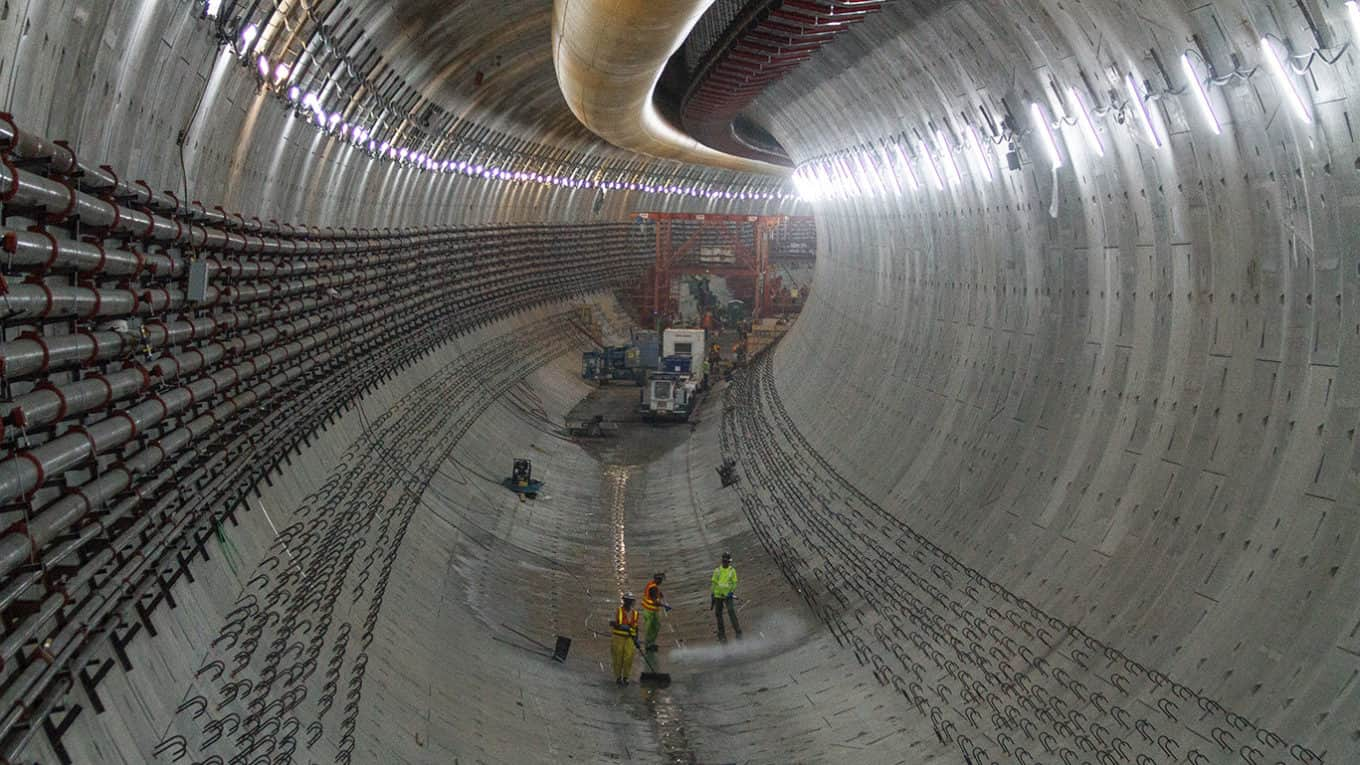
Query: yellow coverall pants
{"x": 621, "y": 649}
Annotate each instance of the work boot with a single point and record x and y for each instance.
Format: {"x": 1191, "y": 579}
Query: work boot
{"x": 738, "y": 634}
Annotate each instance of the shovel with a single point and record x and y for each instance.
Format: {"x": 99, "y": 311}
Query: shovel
{"x": 652, "y": 679}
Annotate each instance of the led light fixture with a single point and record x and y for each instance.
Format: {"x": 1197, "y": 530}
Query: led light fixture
{"x": 1045, "y": 131}
{"x": 1136, "y": 98}
{"x": 1088, "y": 128}
{"x": 948, "y": 152}
{"x": 980, "y": 153}
{"x": 1286, "y": 82}
{"x": 883, "y": 154}
{"x": 906, "y": 166}
{"x": 1202, "y": 98}
{"x": 930, "y": 163}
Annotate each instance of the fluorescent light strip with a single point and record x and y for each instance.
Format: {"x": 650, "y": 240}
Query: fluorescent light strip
{"x": 1136, "y": 97}
{"x": 828, "y": 184}
{"x": 839, "y": 178}
{"x": 1196, "y": 87}
{"x": 816, "y": 186}
{"x": 981, "y": 153}
{"x": 870, "y": 162}
{"x": 800, "y": 183}
{"x": 906, "y": 165}
{"x": 1277, "y": 68}
{"x": 1088, "y": 128}
{"x": 930, "y": 163}
{"x": 1353, "y": 13}
{"x": 948, "y": 153}
{"x": 1045, "y": 130}
{"x": 851, "y": 181}
{"x": 831, "y": 180}
{"x": 888, "y": 169}
{"x": 871, "y": 181}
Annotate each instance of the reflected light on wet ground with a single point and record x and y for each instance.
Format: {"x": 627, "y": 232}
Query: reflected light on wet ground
{"x": 616, "y": 500}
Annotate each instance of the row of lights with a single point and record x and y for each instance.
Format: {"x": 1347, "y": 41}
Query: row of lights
{"x": 276, "y": 75}
{"x": 878, "y": 170}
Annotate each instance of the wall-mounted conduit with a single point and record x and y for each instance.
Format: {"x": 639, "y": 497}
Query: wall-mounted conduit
{"x": 139, "y": 412}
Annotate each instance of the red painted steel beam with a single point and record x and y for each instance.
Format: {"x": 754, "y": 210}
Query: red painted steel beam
{"x": 790, "y": 32}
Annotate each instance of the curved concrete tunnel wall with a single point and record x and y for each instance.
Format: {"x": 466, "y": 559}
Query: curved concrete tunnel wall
{"x": 120, "y": 81}
{"x": 1138, "y": 415}
{"x": 1137, "y": 412}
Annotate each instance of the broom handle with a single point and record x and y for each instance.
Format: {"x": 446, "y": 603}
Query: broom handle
{"x": 645, "y": 660}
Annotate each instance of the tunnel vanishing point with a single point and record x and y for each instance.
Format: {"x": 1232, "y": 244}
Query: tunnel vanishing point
{"x": 1054, "y": 460}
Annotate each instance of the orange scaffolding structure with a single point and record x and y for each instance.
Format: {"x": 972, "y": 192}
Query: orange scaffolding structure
{"x": 680, "y": 244}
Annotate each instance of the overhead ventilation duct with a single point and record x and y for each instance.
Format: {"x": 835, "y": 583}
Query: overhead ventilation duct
{"x": 609, "y": 55}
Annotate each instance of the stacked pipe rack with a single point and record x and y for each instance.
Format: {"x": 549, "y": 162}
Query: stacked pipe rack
{"x": 161, "y": 358}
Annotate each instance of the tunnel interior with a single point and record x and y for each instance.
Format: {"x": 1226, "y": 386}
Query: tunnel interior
{"x": 1054, "y": 460}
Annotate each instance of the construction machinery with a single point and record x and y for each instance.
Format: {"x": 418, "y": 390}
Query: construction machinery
{"x": 668, "y": 396}
{"x": 593, "y": 427}
{"x": 521, "y": 480}
{"x": 648, "y": 345}
{"x": 681, "y": 348}
{"x": 629, "y": 362}
{"x": 672, "y": 392}
{"x": 615, "y": 362}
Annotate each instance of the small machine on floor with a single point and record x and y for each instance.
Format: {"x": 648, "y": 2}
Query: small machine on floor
{"x": 521, "y": 480}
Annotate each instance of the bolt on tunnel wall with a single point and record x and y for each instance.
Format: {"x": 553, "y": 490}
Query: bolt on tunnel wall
{"x": 1056, "y": 463}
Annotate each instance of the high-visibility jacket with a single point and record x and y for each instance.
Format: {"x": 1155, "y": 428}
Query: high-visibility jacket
{"x": 724, "y": 581}
{"x": 651, "y": 596}
{"x": 626, "y": 622}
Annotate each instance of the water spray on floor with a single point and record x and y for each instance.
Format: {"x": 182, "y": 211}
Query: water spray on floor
{"x": 767, "y": 635}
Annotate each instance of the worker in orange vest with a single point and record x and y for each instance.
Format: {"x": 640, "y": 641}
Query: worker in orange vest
{"x": 652, "y": 604}
{"x": 625, "y": 629}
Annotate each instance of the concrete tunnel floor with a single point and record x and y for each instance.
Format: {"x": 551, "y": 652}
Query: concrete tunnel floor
{"x": 387, "y": 600}
{"x": 612, "y": 511}
{"x": 391, "y": 602}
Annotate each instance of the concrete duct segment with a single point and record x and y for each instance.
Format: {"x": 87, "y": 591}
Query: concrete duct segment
{"x": 1126, "y": 429}
{"x": 609, "y": 55}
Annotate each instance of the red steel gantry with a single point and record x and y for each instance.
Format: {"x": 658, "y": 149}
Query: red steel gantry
{"x": 750, "y": 257}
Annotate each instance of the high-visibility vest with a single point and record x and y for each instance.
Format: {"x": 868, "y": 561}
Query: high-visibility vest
{"x": 724, "y": 581}
{"x": 627, "y": 621}
{"x": 651, "y": 596}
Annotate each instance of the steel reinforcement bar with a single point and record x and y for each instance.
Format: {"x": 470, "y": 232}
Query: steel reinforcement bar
{"x": 161, "y": 358}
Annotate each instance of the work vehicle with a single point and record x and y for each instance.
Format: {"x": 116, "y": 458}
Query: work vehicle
{"x": 617, "y": 362}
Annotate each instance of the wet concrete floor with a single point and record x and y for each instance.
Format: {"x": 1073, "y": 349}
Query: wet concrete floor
{"x": 623, "y": 457}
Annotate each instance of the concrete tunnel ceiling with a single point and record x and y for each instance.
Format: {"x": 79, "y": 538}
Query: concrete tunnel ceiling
{"x": 1057, "y": 464}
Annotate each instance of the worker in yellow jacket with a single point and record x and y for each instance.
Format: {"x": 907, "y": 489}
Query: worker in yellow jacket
{"x": 725, "y": 593}
{"x": 625, "y": 630}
